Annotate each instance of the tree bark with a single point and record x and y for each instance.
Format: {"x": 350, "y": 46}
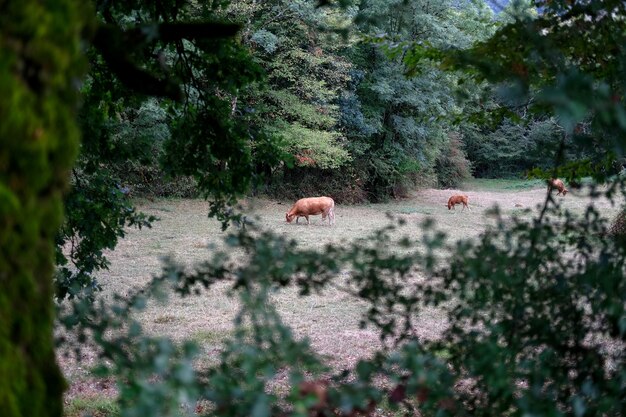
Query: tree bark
{"x": 39, "y": 65}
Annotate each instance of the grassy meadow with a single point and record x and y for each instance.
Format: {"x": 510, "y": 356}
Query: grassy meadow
{"x": 329, "y": 320}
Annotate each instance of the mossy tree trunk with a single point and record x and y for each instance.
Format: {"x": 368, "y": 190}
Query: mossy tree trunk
{"x": 40, "y": 65}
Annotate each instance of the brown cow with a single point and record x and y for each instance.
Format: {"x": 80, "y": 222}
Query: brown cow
{"x": 558, "y": 184}
{"x": 458, "y": 199}
{"x": 312, "y": 206}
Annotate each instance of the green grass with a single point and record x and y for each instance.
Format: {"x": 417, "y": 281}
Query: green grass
{"x": 211, "y": 337}
{"x": 443, "y": 353}
{"x": 501, "y": 184}
{"x": 92, "y": 406}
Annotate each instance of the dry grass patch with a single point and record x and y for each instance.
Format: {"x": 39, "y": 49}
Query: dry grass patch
{"x": 329, "y": 320}
{"x": 185, "y": 233}
{"x": 206, "y": 338}
{"x": 165, "y": 319}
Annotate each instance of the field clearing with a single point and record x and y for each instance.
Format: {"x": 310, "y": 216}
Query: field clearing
{"x": 330, "y": 320}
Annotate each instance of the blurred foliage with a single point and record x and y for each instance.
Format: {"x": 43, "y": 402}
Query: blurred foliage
{"x": 563, "y": 59}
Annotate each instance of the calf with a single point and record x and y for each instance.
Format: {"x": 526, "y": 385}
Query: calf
{"x": 312, "y": 206}
{"x": 558, "y": 184}
{"x": 458, "y": 199}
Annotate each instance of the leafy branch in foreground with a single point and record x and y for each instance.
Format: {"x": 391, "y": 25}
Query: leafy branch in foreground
{"x": 168, "y": 49}
{"x": 535, "y": 311}
{"x": 97, "y": 214}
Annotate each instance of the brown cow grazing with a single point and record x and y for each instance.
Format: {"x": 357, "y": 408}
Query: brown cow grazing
{"x": 458, "y": 199}
{"x": 312, "y": 206}
{"x": 558, "y": 184}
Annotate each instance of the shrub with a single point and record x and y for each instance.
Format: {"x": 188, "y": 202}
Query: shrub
{"x": 452, "y": 166}
{"x": 345, "y": 185}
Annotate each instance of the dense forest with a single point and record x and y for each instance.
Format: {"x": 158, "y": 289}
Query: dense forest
{"x": 106, "y": 101}
{"x": 335, "y": 108}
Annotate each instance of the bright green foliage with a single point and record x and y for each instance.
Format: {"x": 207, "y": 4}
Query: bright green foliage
{"x": 305, "y": 76}
{"x": 313, "y": 148}
{"x": 39, "y": 67}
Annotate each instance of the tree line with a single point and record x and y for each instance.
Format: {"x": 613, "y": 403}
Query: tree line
{"x": 334, "y": 106}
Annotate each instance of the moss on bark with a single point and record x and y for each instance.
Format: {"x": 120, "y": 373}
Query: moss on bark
{"x": 39, "y": 66}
